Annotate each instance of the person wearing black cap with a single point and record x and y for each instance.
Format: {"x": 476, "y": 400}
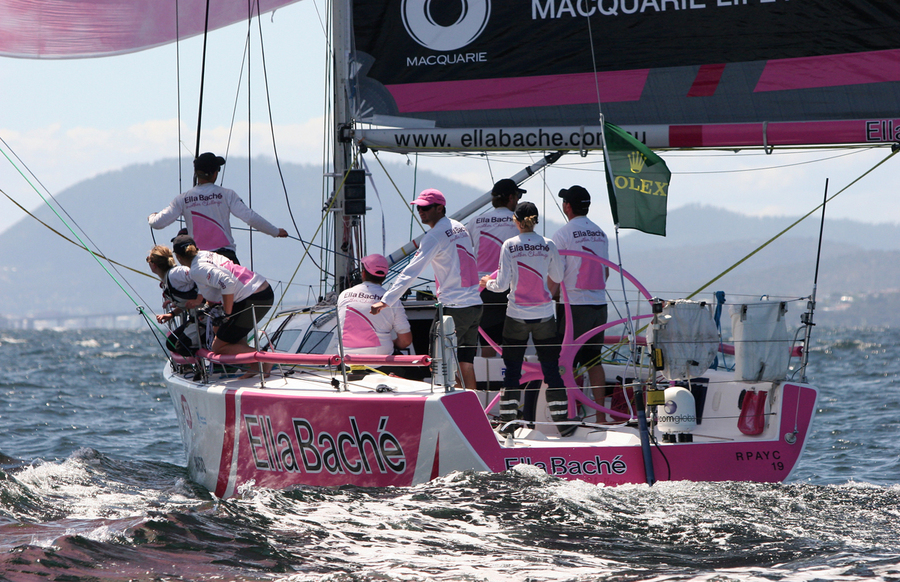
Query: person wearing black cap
{"x": 585, "y": 281}
{"x": 246, "y": 296}
{"x": 488, "y": 231}
{"x": 207, "y": 210}
{"x": 526, "y": 262}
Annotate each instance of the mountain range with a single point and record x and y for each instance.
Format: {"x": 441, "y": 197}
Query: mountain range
{"x": 43, "y": 275}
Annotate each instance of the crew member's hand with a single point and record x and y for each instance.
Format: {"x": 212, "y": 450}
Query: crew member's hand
{"x": 281, "y": 233}
{"x": 377, "y": 307}
{"x": 164, "y": 317}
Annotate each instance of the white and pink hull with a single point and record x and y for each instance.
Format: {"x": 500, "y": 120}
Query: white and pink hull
{"x": 301, "y": 430}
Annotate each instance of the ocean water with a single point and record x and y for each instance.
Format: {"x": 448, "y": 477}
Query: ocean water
{"x": 93, "y": 487}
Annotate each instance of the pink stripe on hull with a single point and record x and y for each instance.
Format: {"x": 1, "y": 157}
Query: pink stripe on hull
{"x": 515, "y": 92}
{"x": 227, "y": 444}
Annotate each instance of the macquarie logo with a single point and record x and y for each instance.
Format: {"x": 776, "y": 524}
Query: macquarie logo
{"x": 426, "y": 28}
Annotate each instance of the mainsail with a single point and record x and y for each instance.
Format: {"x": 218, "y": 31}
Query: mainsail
{"x": 56, "y": 29}
{"x": 676, "y": 73}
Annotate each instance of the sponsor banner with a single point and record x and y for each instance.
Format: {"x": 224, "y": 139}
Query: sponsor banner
{"x": 420, "y": 40}
{"x": 529, "y": 63}
{"x": 880, "y": 130}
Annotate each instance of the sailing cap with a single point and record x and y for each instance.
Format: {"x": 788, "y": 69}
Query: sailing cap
{"x": 375, "y": 264}
{"x": 429, "y": 197}
{"x": 181, "y": 242}
{"x": 576, "y": 196}
{"x": 526, "y": 209}
{"x": 208, "y": 163}
{"x": 506, "y": 187}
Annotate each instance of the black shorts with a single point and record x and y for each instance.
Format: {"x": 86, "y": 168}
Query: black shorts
{"x": 465, "y": 321}
{"x": 585, "y": 318}
{"x": 244, "y": 313}
{"x": 493, "y": 315}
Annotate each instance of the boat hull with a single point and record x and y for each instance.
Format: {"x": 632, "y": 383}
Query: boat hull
{"x": 238, "y": 434}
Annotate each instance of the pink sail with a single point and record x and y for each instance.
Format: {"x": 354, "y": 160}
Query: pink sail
{"x": 50, "y": 29}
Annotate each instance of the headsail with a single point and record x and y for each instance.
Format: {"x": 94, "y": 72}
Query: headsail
{"x": 52, "y": 29}
{"x": 678, "y": 73}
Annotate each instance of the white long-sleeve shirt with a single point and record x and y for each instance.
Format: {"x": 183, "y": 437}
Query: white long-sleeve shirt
{"x": 362, "y": 332}
{"x": 488, "y": 231}
{"x": 525, "y": 262}
{"x": 448, "y": 249}
{"x": 585, "y": 281}
{"x": 207, "y": 210}
{"x": 215, "y": 276}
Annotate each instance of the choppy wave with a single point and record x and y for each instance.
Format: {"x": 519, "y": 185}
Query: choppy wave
{"x": 96, "y": 518}
{"x": 93, "y": 487}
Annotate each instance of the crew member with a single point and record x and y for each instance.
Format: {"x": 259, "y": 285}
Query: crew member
{"x": 585, "y": 282}
{"x": 448, "y": 249}
{"x": 207, "y": 210}
{"x": 363, "y": 332}
{"x": 488, "y": 231}
{"x": 527, "y": 261}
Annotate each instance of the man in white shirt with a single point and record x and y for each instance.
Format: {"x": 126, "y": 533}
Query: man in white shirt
{"x": 207, "y": 210}
{"x": 488, "y": 231}
{"x": 585, "y": 281}
{"x": 448, "y": 249}
{"x": 363, "y": 332}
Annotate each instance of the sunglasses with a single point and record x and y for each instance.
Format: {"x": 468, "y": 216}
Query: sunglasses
{"x": 426, "y": 208}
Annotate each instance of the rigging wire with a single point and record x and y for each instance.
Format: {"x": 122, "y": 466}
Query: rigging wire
{"x": 80, "y": 246}
{"x": 97, "y": 257}
{"x": 202, "y": 80}
{"x": 789, "y": 227}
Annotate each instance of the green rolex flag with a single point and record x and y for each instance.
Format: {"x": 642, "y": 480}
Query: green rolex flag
{"x": 637, "y": 180}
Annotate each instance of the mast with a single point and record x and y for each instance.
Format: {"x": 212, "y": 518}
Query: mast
{"x": 342, "y": 246}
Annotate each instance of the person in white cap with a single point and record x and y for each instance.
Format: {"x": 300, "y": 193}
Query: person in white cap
{"x": 207, "y": 210}
{"x": 488, "y": 231}
{"x": 363, "y": 332}
{"x": 448, "y": 249}
{"x": 585, "y": 281}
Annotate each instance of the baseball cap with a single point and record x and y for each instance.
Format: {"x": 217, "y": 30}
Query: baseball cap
{"x": 180, "y": 232}
{"x": 429, "y": 197}
{"x": 526, "y": 209}
{"x": 505, "y": 187}
{"x": 375, "y": 264}
{"x": 181, "y": 242}
{"x": 208, "y": 163}
{"x": 575, "y": 195}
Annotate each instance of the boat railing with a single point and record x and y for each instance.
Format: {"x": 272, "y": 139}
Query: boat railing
{"x": 305, "y": 359}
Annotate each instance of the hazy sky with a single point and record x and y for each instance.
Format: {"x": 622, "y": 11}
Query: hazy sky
{"x": 69, "y": 120}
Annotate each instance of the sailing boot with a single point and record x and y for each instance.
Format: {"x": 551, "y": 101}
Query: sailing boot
{"x": 558, "y": 404}
{"x": 509, "y": 411}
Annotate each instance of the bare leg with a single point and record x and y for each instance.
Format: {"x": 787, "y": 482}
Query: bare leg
{"x": 467, "y": 372}
{"x": 598, "y": 380}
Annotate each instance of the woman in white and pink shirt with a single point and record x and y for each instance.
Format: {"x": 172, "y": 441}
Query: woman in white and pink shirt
{"x": 526, "y": 261}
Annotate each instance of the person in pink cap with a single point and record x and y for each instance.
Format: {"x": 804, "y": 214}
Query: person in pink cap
{"x": 363, "y": 332}
{"x": 448, "y": 249}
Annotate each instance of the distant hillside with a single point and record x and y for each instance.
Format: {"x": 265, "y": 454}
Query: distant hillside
{"x": 42, "y": 274}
